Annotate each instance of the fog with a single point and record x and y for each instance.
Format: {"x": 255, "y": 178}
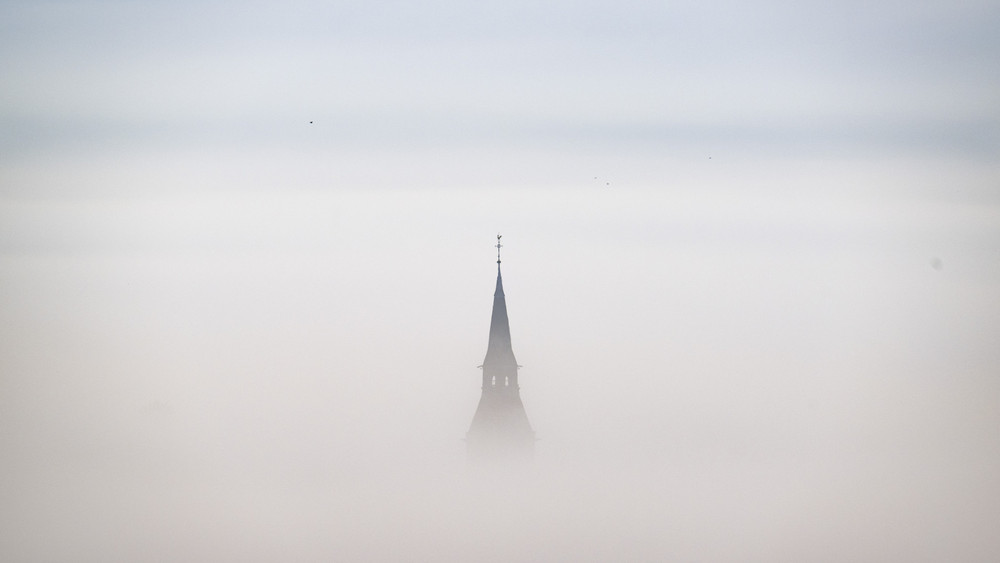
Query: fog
{"x": 751, "y": 261}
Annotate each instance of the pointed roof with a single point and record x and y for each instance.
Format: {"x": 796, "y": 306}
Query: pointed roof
{"x": 499, "y": 350}
{"x": 500, "y": 427}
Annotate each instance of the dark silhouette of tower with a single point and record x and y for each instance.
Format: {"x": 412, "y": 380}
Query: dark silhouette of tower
{"x": 500, "y": 427}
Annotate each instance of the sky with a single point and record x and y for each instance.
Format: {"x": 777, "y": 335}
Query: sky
{"x": 751, "y": 259}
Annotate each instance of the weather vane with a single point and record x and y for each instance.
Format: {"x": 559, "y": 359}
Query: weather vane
{"x": 499, "y": 246}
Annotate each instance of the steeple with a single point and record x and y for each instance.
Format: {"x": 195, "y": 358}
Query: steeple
{"x": 499, "y": 350}
{"x": 500, "y": 427}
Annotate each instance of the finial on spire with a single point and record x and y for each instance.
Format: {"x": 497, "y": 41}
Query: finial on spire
{"x": 499, "y": 246}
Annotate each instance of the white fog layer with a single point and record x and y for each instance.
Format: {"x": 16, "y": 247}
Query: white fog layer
{"x": 751, "y": 263}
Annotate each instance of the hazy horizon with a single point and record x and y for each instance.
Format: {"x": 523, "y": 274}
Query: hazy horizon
{"x": 751, "y": 263}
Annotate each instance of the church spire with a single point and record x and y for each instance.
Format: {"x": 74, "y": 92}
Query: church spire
{"x": 499, "y": 351}
{"x": 500, "y": 427}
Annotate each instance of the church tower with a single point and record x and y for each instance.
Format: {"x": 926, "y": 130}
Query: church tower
{"x": 500, "y": 427}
